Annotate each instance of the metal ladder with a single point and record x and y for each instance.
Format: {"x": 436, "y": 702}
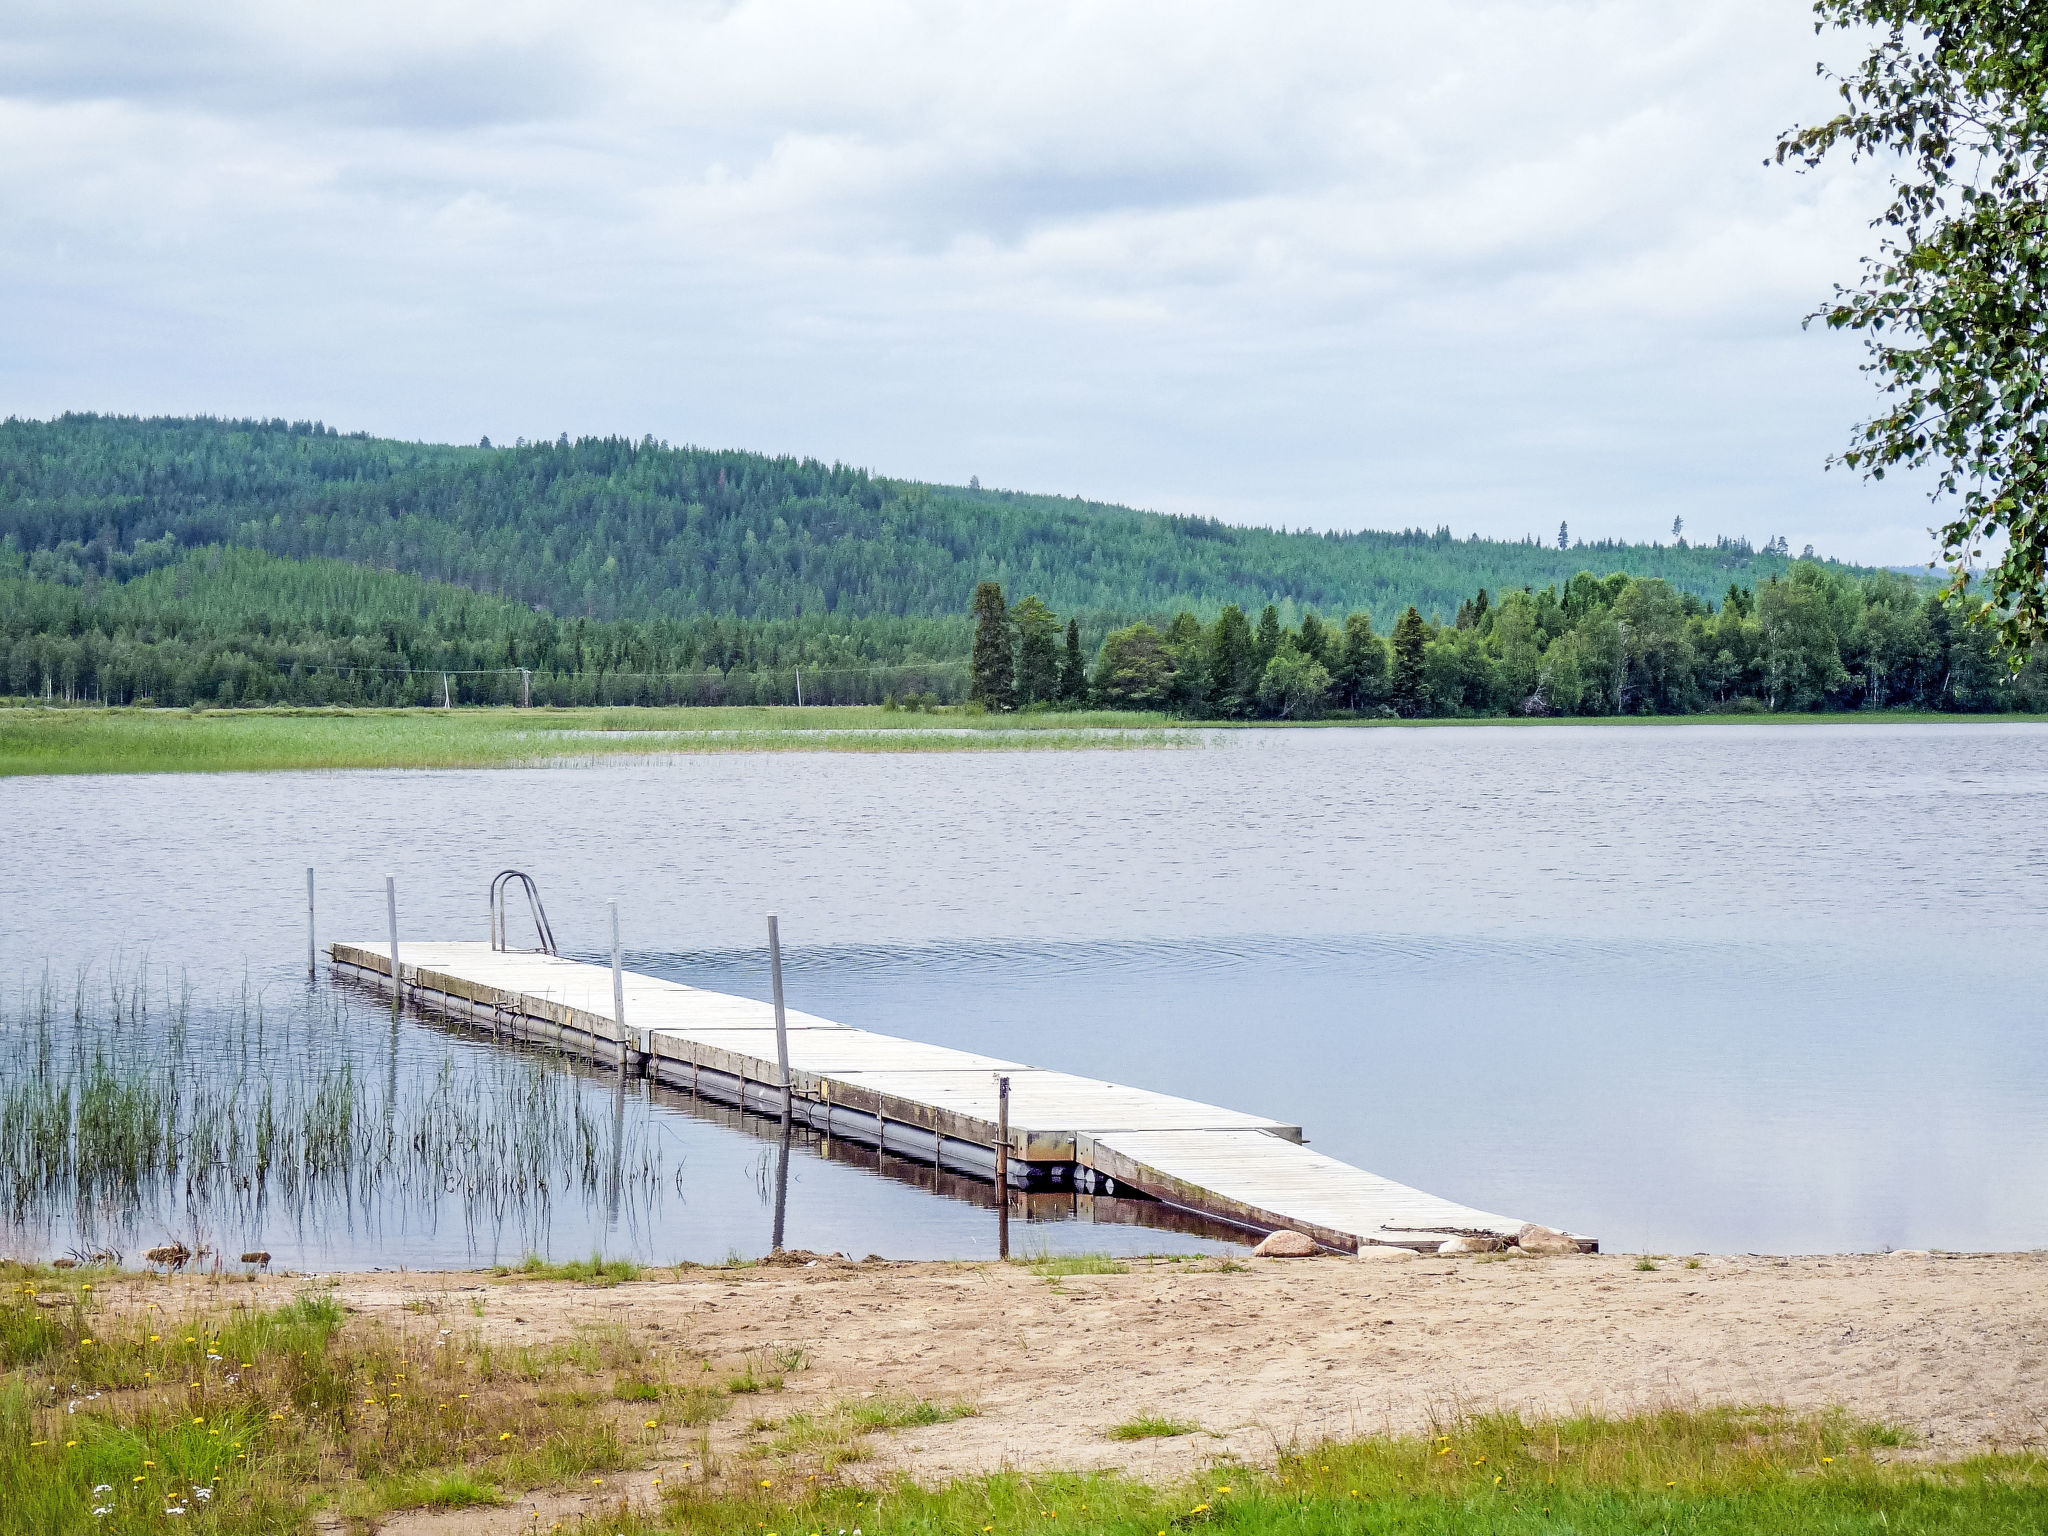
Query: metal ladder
{"x": 499, "y": 885}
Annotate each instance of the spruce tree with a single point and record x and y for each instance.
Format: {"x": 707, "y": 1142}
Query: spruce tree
{"x": 1073, "y": 670}
{"x": 1230, "y": 661}
{"x": 1267, "y": 646}
{"x": 1317, "y": 642}
{"x": 995, "y": 657}
{"x": 1410, "y": 637}
{"x": 1038, "y": 651}
{"x": 1361, "y": 670}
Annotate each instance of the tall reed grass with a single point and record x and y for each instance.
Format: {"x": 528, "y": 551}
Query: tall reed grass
{"x": 124, "y": 1104}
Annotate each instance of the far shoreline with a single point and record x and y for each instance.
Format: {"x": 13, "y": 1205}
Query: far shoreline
{"x": 41, "y": 739}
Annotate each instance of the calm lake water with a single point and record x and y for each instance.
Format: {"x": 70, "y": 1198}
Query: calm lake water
{"x": 1772, "y": 988}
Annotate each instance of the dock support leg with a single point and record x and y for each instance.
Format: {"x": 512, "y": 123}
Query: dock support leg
{"x": 312, "y": 949}
{"x": 781, "y": 1028}
{"x": 618, "y": 997}
{"x": 1002, "y": 1166}
{"x": 391, "y": 915}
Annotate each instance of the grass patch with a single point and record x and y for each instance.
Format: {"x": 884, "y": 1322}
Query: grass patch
{"x": 829, "y": 1440}
{"x": 35, "y": 740}
{"x": 903, "y": 1412}
{"x": 1061, "y": 1266}
{"x": 226, "y": 1419}
{"x": 424, "y": 1490}
{"x": 594, "y": 1270}
{"x": 1715, "y": 1472}
{"x": 1153, "y": 1427}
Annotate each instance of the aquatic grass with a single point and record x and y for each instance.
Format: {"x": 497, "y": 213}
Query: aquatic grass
{"x": 239, "y": 1112}
{"x": 137, "y": 740}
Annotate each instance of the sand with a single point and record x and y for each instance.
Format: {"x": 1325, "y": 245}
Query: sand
{"x": 1282, "y": 1353}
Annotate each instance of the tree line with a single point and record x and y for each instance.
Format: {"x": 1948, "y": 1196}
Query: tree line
{"x": 1816, "y": 638}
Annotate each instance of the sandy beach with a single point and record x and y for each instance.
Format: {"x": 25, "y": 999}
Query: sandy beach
{"x": 1277, "y": 1353}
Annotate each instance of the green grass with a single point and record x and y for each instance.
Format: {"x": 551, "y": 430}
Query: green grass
{"x": 1711, "y": 1472}
{"x": 84, "y": 740}
{"x": 226, "y": 1419}
{"x": 1153, "y": 1427}
{"x": 887, "y": 1412}
{"x": 1059, "y": 1266}
{"x": 595, "y": 1270}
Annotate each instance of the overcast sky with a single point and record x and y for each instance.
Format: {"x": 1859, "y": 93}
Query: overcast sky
{"x": 1331, "y": 265}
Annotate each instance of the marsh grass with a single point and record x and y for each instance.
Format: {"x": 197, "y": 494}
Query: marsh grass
{"x": 133, "y": 740}
{"x": 126, "y": 1103}
{"x": 1721, "y": 1472}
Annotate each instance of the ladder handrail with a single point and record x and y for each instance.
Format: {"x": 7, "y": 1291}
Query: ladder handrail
{"x": 499, "y": 883}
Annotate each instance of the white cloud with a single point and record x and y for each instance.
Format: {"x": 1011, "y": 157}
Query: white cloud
{"x": 1492, "y": 264}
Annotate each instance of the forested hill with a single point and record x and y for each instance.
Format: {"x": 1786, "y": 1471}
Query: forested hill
{"x": 610, "y": 528}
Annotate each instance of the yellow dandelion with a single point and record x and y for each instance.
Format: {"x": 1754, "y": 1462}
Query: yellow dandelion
{"x": 651, "y": 1424}
{"x": 506, "y": 1436}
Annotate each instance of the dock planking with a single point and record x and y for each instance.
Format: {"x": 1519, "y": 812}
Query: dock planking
{"x": 930, "y": 1101}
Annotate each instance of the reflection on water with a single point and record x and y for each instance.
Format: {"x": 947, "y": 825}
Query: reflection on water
{"x": 1749, "y": 988}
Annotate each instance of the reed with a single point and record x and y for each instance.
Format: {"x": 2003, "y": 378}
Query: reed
{"x": 131, "y": 1106}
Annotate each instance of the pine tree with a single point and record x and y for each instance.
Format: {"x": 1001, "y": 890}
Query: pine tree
{"x": 1073, "y": 670}
{"x": 1410, "y": 637}
{"x": 995, "y": 656}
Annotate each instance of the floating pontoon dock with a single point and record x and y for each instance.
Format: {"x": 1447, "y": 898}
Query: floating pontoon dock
{"x": 929, "y": 1102}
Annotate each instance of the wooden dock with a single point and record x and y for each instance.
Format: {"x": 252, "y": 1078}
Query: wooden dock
{"x": 930, "y": 1102}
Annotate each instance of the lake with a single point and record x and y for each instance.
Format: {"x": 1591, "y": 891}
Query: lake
{"x": 1772, "y": 988}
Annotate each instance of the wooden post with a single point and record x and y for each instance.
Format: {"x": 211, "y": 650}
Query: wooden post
{"x": 781, "y": 1028}
{"x": 799, "y": 687}
{"x": 1002, "y": 1166}
{"x": 526, "y": 687}
{"x": 618, "y": 996}
{"x": 391, "y": 915}
{"x": 312, "y": 948}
